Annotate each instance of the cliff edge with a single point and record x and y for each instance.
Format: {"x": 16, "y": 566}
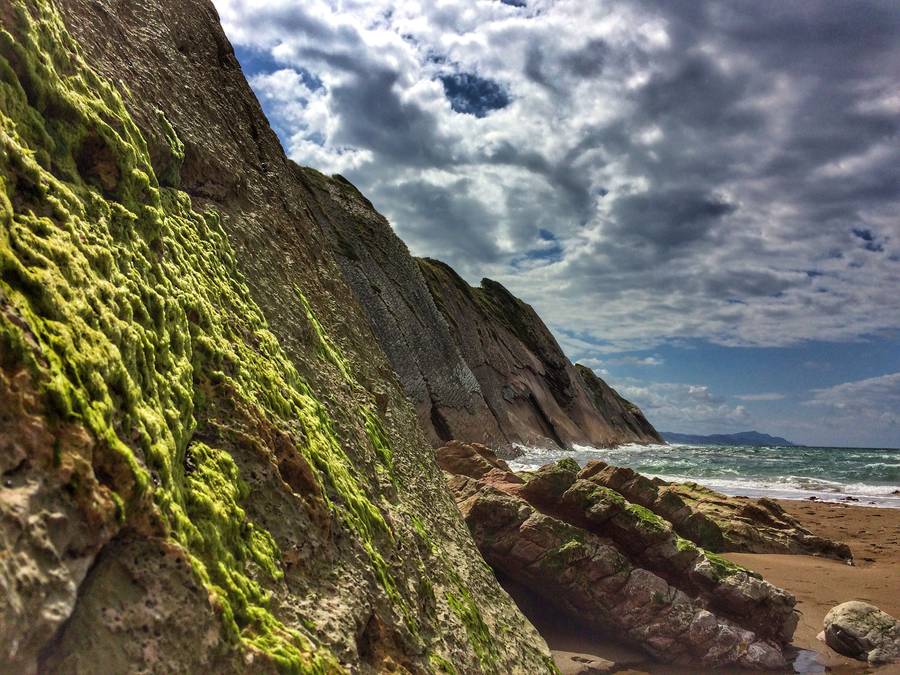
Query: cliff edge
{"x": 207, "y": 462}
{"x": 478, "y": 364}
{"x": 535, "y": 393}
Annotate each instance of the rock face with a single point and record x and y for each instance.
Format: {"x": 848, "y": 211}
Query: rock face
{"x": 398, "y": 304}
{"x": 533, "y": 390}
{"x": 624, "y": 416}
{"x": 615, "y": 566}
{"x": 478, "y": 364}
{"x": 207, "y": 461}
{"x": 717, "y": 522}
{"x": 862, "y": 631}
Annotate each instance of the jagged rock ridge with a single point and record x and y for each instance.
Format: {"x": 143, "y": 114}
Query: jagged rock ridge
{"x": 478, "y": 364}
{"x": 207, "y": 463}
{"x": 718, "y": 522}
{"x": 616, "y": 567}
{"x": 536, "y": 394}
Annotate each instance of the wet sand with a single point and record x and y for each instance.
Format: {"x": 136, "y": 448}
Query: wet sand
{"x": 819, "y": 584}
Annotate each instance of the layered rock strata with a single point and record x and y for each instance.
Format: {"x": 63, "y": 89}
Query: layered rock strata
{"x": 479, "y": 365}
{"x": 207, "y": 461}
{"x": 623, "y": 415}
{"x": 390, "y": 288}
{"x": 615, "y": 567}
{"x": 533, "y": 390}
{"x": 715, "y": 521}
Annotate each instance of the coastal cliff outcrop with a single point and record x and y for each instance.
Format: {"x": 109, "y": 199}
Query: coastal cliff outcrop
{"x": 207, "y": 462}
{"x": 623, "y": 415}
{"x": 614, "y": 566}
{"x": 398, "y": 304}
{"x": 535, "y": 393}
{"x": 478, "y": 364}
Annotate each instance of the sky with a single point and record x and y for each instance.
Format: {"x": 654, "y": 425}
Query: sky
{"x": 701, "y": 199}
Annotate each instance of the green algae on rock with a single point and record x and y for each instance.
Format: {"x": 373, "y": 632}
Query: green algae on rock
{"x": 136, "y": 350}
{"x": 133, "y": 300}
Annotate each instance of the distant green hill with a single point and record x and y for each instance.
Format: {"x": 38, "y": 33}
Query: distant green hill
{"x": 740, "y": 438}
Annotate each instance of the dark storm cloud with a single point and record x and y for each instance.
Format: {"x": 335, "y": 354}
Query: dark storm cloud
{"x": 534, "y": 69}
{"x": 697, "y": 94}
{"x": 692, "y": 158}
{"x": 667, "y": 219}
{"x": 588, "y": 60}
{"x": 445, "y": 218}
{"x": 564, "y": 176}
{"x": 397, "y": 130}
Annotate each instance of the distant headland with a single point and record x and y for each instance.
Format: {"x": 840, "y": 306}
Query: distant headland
{"x": 740, "y": 438}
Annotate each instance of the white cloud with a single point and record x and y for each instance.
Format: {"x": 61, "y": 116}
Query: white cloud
{"x": 637, "y": 361}
{"x": 872, "y": 401}
{"x": 766, "y": 396}
{"x": 683, "y": 407}
{"x": 649, "y": 179}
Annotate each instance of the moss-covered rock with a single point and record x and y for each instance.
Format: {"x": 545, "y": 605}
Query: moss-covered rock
{"x": 165, "y": 397}
{"x": 601, "y": 586}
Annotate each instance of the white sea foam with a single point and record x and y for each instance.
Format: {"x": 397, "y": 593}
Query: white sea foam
{"x": 829, "y": 474}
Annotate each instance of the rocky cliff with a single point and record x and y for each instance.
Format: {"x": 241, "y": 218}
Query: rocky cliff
{"x": 208, "y": 464}
{"x": 624, "y": 416}
{"x": 400, "y": 309}
{"x": 535, "y": 393}
{"x": 478, "y": 364}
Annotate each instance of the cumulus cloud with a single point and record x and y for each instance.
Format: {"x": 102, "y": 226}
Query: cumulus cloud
{"x": 682, "y": 169}
{"x": 765, "y": 396}
{"x": 636, "y": 361}
{"x": 870, "y": 406}
{"x": 684, "y": 407}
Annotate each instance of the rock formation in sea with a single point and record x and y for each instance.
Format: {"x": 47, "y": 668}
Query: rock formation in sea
{"x": 208, "y": 464}
{"x": 535, "y": 393}
{"x": 715, "y": 521}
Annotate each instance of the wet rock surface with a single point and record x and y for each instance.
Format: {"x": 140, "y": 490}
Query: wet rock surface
{"x": 615, "y": 566}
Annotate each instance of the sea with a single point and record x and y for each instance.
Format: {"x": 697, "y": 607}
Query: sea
{"x": 865, "y": 476}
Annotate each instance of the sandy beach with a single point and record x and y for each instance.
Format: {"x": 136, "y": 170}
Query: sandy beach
{"x": 874, "y": 537}
{"x": 819, "y": 584}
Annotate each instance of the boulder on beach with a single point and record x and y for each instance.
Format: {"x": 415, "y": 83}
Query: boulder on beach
{"x": 862, "y": 631}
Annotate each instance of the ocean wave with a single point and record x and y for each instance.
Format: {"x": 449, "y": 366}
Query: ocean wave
{"x": 791, "y": 473}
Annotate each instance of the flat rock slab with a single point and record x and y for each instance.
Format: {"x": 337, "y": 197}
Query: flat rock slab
{"x": 575, "y": 663}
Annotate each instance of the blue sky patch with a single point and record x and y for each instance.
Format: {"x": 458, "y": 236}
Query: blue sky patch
{"x": 473, "y": 95}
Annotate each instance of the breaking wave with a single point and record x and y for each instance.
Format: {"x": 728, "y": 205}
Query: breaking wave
{"x": 870, "y": 476}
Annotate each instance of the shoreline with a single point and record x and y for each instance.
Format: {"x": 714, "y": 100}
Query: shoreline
{"x": 859, "y": 476}
{"x": 819, "y": 584}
